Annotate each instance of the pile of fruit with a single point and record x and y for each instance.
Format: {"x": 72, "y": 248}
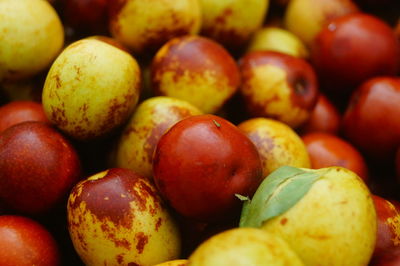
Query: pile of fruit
{"x": 199, "y": 132}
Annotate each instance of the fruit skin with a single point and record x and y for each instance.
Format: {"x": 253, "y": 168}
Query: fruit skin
{"x": 366, "y": 122}
{"x": 244, "y": 246}
{"x": 327, "y": 150}
{"x": 342, "y": 55}
{"x": 336, "y": 212}
{"x": 388, "y": 234}
{"x": 182, "y": 262}
{"x": 306, "y": 18}
{"x": 117, "y": 217}
{"x": 231, "y": 23}
{"x": 144, "y": 26}
{"x": 325, "y": 117}
{"x": 151, "y": 119}
{"x": 276, "y": 39}
{"x": 91, "y": 89}
{"x": 201, "y": 162}
{"x": 16, "y": 112}
{"x": 195, "y": 69}
{"x": 31, "y": 37}
{"x": 24, "y": 241}
{"x": 278, "y": 86}
{"x": 38, "y": 166}
{"x": 277, "y": 144}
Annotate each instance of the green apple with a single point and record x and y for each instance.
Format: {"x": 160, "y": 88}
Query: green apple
{"x": 91, "y": 88}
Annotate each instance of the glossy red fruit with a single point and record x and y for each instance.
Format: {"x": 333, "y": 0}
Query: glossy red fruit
{"x": 201, "y": 163}
{"x": 371, "y": 120}
{"x": 38, "y": 166}
{"x": 327, "y": 150}
{"x": 24, "y": 241}
{"x": 353, "y": 48}
{"x": 20, "y": 111}
{"x": 388, "y": 234}
{"x": 324, "y": 118}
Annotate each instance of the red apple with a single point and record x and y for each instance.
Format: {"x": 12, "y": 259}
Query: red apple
{"x": 388, "y": 234}
{"x": 38, "y": 166}
{"x": 20, "y": 111}
{"x": 24, "y": 241}
{"x": 391, "y": 258}
{"x": 353, "y": 48}
{"x": 327, "y": 150}
{"x": 278, "y": 86}
{"x": 201, "y": 162}
{"x": 325, "y": 117}
{"x": 371, "y": 121}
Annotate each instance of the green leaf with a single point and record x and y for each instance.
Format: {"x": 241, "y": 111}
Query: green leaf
{"x": 281, "y": 190}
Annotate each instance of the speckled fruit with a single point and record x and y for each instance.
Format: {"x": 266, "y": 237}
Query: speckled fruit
{"x": 201, "y": 162}
{"x": 91, "y": 89}
{"x": 31, "y": 36}
{"x": 144, "y": 26}
{"x": 279, "y": 40}
{"x": 116, "y": 217}
{"x": 25, "y": 242}
{"x": 244, "y": 246}
{"x": 277, "y": 144}
{"x": 16, "y": 112}
{"x": 182, "y": 262}
{"x": 195, "y": 69}
{"x": 329, "y": 150}
{"x": 151, "y": 119}
{"x": 38, "y": 166}
{"x": 278, "y": 86}
{"x": 231, "y": 23}
{"x": 306, "y": 18}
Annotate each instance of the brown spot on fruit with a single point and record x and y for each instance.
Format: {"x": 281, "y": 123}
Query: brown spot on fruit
{"x": 120, "y": 258}
{"x": 158, "y": 223}
{"x": 283, "y": 221}
{"x": 142, "y": 240}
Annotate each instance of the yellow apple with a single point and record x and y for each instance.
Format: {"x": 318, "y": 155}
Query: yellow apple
{"x": 91, "y": 88}
{"x": 31, "y": 36}
{"x": 151, "y": 119}
{"x": 277, "y": 143}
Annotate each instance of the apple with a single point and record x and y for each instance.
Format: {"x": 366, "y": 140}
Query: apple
{"x": 277, "y": 144}
{"x": 231, "y": 23}
{"x": 181, "y": 262}
{"x": 144, "y": 26}
{"x": 391, "y": 258}
{"x": 342, "y": 51}
{"x": 91, "y": 89}
{"x": 306, "y": 18}
{"x": 16, "y": 112}
{"x": 31, "y": 35}
{"x": 327, "y": 150}
{"x": 370, "y": 120}
{"x": 325, "y": 117}
{"x": 38, "y": 167}
{"x": 278, "y": 86}
{"x": 325, "y": 215}
{"x": 151, "y": 119}
{"x": 244, "y": 246}
{"x": 23, "y": 241}
{"x": 195, "y": 69}
{"x": 388, "y": 234}
{"x": 199, "y": 165}
{"x": 116, "y": 217}
{"x": 272, "y": 38}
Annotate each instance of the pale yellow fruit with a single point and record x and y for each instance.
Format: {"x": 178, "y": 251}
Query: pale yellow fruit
{"x": 244, "y": 247}
{"x": 278, "y": 40}
{"x": 144, "y": 26}
{"x": 91, "y": 88}
{"x": 116, "y": 217}
{"x": 232, "y": 22}
{"x": 277, "y": 143}
{"x": 305, "y": 18}
{"x": 31, "y": 36}
{"x": 151, "y": 119}
{"x": 173, "y": 263}
{"x": 333, "y": 224}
